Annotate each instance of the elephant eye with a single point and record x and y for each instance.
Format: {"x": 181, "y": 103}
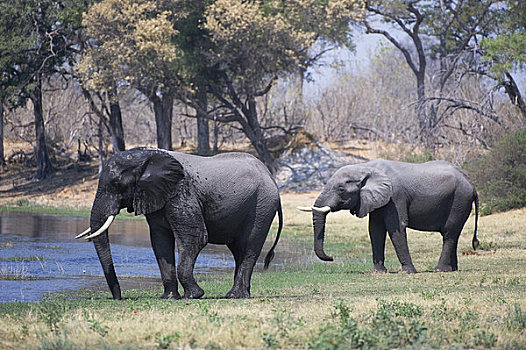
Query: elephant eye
{"x": 341, "y": 189}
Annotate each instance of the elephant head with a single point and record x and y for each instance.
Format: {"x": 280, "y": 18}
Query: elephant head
{"x": 358, "y": 188}
{"x": 141, "y": 180}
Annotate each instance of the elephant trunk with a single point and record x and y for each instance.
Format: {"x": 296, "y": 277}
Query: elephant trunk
{"x": 99, "y": 215}
{"x": 318, "y": 220}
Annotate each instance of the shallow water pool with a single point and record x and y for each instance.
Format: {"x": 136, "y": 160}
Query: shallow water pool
{"x": 39, "y": 255}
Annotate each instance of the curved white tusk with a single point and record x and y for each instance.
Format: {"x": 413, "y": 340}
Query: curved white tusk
{"x": 103, "y": 228}
{"x": 324, "y": 209}
{"x": 83, "y": 233}
{"x": 309, "y": 209}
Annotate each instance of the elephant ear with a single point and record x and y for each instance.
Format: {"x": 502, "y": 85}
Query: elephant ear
{"x": 157, "y": 183}
{"x": 376, "y": 192}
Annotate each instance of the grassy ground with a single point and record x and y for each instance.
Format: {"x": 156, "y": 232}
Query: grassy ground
{"x": 321, "y": 305}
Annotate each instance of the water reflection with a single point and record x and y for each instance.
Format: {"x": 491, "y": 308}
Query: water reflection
{"x": 127, "y": 232}
{"x": 39, "y": 255}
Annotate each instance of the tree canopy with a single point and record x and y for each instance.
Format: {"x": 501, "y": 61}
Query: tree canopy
{"x": 231, "y": 49}
{"x": 256, "y": 42}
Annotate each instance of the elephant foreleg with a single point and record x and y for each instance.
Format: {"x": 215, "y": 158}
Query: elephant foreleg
{"x": 377, "y": 233}
{"x": 399, "y": 239}
{"x": 163, "y": 244}
{"x": 189, "y": 248}
{"x": 397, "y": 232}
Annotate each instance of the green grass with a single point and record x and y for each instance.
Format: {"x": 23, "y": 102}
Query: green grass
{"x": 26, "y": 206}
{"x": 317, "y": 305}
{"x": 24, "y": 258}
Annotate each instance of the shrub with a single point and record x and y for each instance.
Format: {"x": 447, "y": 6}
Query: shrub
{"x": 500, "y": 175}
{"x": 392, "y": 325}
{"x": 516, "y": 318}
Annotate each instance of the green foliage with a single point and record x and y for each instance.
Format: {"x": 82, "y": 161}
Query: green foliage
{"x": 419, "y": 157}
{"x": 270, "y": 340}
{"x": 165, "y": 340}
{"x": 36, "y": 39}
{"x": 57, "y": 341}
{"x": 392, "y": 325}
{"x": 134, "y": 43}
{"x": 508, "y": 48}
{"x": 95, "y": 325}
{"x": 469, "y": 14}
{"x": 51, "y": 312}
{"x": 506, "y": 51}
{"x": 516, "y": 319}
{"x": 343, "y": 334}
{"x": 500, "y": 175}
{"x": 484, "y": 339}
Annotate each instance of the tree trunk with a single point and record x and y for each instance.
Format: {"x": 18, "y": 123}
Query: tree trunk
{"x": 163, "y": 109}
{"x": 216, "y": 136}
{"x": 203, "y": 131}
{"x": 514, "y": 94}
{"x": 253, "y": 131}
{"x": 100, "y": 145}
{"x": 117, "y": 131}
{"x": 44, "y": 166}
{"x": 299, "y": 77}
{"x": 2, "y": 156}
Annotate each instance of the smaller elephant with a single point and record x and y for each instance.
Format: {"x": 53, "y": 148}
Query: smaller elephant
{"x": 433, "y": 196}
{"x": 189, "y": 201}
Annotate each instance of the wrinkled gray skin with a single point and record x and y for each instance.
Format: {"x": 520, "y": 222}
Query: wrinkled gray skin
{"x": 189, "y": 200}
{"x": 434, "y": 196}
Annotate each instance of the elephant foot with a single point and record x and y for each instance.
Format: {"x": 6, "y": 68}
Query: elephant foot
{"x": 238, "y": 294}
{"x": 195, "y": 293}
{"x": 408, "y": 269}
{"x": 171, "y": 295}
{"x": 444, "y": 268}
{"x": 379, "y": 269}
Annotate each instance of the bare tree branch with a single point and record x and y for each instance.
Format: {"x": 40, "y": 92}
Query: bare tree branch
{"x": 455, "y": 105}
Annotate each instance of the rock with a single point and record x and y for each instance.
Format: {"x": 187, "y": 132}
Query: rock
{"x": 308, "y": 167}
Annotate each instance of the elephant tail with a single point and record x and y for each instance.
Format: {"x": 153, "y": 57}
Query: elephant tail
{"x": 475, "y": 243}
{"x": 270, "y": 254}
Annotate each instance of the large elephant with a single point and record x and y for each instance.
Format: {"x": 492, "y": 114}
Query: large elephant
{"x": 189, "y": 200}
{"x": 433, "y": 196}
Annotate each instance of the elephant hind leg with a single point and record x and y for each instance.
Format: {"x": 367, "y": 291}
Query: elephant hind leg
{"x": 448, "y": 260}
{"x": 246, "y": 250}
{"x": 245, "y": 258}
{"x": 450, "y": 235}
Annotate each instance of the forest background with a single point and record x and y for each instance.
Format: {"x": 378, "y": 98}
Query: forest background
{"x": 82, "y": 79}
